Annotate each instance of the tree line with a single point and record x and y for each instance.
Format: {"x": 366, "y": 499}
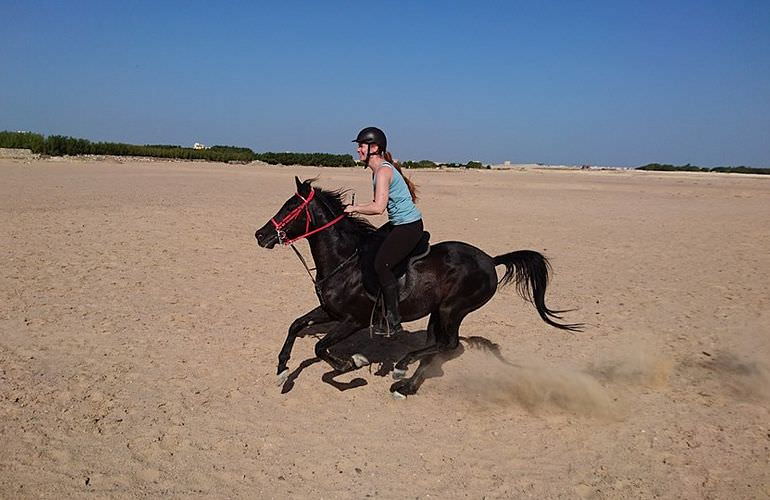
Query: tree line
{"x": 664, "y": 167}
{"x": 59, "y": 145}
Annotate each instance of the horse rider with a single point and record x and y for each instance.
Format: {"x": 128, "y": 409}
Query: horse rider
{"x": 396, "y": 194}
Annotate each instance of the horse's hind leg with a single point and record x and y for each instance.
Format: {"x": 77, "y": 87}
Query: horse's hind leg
{"x": 446, "y": 337}
{"x": 409, "y": 386}
{"x": 399, "y": 369}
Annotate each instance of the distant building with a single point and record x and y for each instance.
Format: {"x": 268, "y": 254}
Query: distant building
{"x": 198, "y": 145}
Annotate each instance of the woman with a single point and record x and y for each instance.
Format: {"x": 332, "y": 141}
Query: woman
{"x": 397, "y": 194}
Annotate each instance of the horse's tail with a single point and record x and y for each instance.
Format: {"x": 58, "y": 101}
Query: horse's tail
{"x": 529, "y": 270}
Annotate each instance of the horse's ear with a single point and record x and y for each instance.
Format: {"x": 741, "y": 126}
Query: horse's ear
{"x": 303, "y": 187}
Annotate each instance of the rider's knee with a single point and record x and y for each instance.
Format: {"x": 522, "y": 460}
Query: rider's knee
{"x": 381, "y": 264}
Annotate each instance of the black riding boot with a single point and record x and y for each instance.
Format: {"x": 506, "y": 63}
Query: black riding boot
{"x": 392, "y": 316}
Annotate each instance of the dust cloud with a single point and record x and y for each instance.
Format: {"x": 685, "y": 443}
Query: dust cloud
{"x": 540, "y": 387}
{"x": 601, "y": 389}
{"x": 743, "y": 379}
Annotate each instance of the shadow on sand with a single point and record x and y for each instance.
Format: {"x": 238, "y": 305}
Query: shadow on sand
{"x": 383, "y": 353}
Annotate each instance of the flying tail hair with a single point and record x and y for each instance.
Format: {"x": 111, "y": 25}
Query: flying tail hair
{"x": 529, "y": 270}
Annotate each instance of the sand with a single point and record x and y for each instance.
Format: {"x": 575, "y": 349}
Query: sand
{"x": 140, "y": 327}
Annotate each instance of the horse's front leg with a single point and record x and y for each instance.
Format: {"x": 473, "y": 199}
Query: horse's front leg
{"x": 314, "y": 317}
{"x": 339, "y": 332}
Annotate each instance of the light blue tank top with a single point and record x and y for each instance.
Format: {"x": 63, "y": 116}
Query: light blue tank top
{"x": 401, "y": 208}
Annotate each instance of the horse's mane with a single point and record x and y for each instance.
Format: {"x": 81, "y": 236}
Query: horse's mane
{"x": 333, "y": 200}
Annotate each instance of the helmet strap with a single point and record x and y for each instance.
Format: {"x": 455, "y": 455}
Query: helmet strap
{"x": 369, "y": 154}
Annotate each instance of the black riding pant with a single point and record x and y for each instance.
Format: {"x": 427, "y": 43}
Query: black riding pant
{"x": 400, "y": 241}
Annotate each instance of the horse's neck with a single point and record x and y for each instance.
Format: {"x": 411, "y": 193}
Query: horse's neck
{"x": 330, "y": 247}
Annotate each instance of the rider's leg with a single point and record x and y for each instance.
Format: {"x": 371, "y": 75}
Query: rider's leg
{"x": 383, "y": 266}
{"x": 392, "y": 315}
{"x": 400, "y": 242}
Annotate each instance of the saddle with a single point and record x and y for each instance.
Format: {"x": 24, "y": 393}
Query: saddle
{"x": 369, "y": 251}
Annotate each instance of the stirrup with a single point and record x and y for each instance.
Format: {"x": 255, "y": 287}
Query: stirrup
{"x": 386, "y": 331}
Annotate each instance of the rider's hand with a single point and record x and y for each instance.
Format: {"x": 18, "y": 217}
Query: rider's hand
{"x": 350, "y": 209}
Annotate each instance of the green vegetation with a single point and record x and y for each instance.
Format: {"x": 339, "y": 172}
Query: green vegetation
{"x": 313, "y": 159}
{"x": 692, "y": 168}
{"x": 418, "y": 164}
{"x": 22, "y": 140}
{"x": 232, "y": 149}
{"x": 430, "y": 164}
{"x": 470, "y": 164}
{"x": 58, "y": 145}
{"x": 742, "y": 170}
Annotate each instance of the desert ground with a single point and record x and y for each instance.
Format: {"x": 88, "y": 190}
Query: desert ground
{"x": 140, "y": 327}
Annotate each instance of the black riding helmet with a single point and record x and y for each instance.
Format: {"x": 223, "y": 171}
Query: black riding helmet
{"x": 369, "y": 136}
{"x": 372, "y": 135}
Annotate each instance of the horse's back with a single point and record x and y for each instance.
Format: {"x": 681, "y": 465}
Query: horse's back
{"x": 461, "y": 249}
{"x": 458, "y": 256}
{"x": 455, "y": 274}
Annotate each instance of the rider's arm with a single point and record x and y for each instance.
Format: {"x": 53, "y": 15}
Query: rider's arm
{"x": 380, "y": 202}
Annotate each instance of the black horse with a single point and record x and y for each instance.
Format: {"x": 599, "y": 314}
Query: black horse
{"x": 453, "y": 280}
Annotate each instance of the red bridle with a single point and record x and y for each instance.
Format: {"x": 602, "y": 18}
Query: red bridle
{"x": 296, "y": 213}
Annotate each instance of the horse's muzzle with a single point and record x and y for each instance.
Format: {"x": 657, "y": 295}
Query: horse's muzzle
{"x": 266, "y": 239}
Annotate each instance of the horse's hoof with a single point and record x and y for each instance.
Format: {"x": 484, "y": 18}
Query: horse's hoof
{"x": 399, "y": 374}
{"x": 283, "y": 377}
{"x": 360, "y": 360}
{"x": 397, "y": 396}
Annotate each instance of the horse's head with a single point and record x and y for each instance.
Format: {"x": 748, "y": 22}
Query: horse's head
{"x": 291, "y": 221}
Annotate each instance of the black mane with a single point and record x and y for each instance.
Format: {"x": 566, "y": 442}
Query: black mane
{"x": 333, "y": 200}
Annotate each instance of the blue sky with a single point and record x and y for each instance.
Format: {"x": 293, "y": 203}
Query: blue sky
{"x": 598, "y": 82}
